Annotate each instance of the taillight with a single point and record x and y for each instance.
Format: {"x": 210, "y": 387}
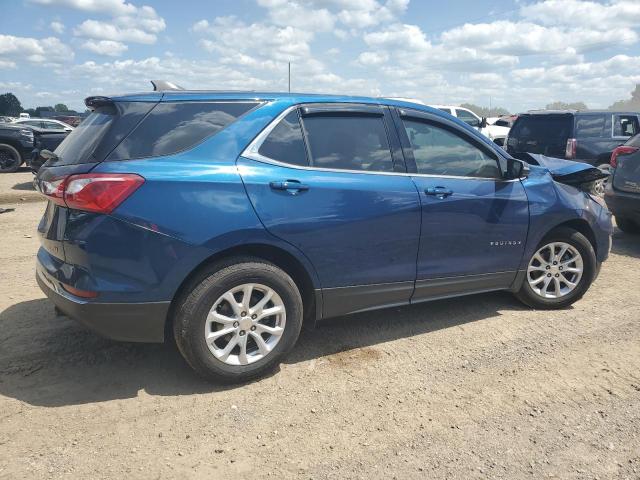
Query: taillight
{"x": 621, "y": 150}
{"x": 92, "y": 192}
{"x": 572, "y": 146}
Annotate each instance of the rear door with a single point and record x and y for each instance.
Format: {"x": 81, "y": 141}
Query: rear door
{"x": 324, "y": 179}
{"x": 474, "y": 223}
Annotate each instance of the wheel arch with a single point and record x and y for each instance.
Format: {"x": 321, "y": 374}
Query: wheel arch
{"x": 278, "y": 256}
{"x": 582, "y": 226}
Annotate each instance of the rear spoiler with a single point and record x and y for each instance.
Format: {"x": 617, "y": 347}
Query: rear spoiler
{"x": 94, "y": 102}
{"x": 565, "y": 171}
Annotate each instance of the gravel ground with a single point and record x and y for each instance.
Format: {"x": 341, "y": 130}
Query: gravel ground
{"x": 477, "y": 387}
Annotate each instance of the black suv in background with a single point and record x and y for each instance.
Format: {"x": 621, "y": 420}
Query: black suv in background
{"x": 586, "y": 136}
{"x": 623, "y": 191}
{"x": 23, "y": 143}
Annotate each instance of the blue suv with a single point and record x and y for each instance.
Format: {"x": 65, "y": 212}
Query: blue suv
{"x": 226, "y": 220}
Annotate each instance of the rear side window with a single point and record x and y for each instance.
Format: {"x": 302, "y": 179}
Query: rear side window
{"x": 438, "y": 151}
{"x": 591, "y": 126}
{"x": 100, "y": 132}
{"x": 625, "y": 125}
{"x": 173, "y": 127}
{"x": 285, "y": 142}
{"x": 353, "y": 142}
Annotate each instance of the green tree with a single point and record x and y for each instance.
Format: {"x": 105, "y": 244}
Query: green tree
{"x": 567, "y": 106}
{"x": 10, "y": 105}
{"x": 633, "y": 104}
{"x": 484, "y": 111}
{"x": 61, "y": 107}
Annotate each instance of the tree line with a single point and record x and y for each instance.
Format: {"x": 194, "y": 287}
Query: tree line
{"x": 11, "y": 106}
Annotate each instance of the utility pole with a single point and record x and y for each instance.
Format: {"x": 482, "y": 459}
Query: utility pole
{"x": 289, "y": 77}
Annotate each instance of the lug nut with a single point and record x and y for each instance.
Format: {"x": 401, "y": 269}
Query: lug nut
{"x": 548, "y": 274}
{"x": 235, "y": 324}
{"x": 241, "y": 333}
{"x": 254, "y": 316}
{"x": 243, "y": 314}
{"x": 559, "y": 268}
{"x": 557, "y": 275}
{"x": 555, "y": 263}
{"x": 253, "y": 327}
{"x": 548, "y": 267}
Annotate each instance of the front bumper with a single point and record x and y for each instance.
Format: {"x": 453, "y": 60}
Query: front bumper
{"x": 128, "y": 322}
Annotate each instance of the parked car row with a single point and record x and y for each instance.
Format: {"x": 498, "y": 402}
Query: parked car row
{"x": 23, "y": 144}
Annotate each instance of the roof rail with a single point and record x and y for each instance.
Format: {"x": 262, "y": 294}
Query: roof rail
{"x": 161, "y": 85}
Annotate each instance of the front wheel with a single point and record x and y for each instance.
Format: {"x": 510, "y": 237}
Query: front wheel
{"x": 239, "y": 320}
{"x": 10, "y": 159}
{"x": 560, "y": 271}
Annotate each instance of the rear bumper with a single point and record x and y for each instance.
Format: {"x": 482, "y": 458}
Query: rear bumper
{"x": 623, "y": 204}
{"x": 128, "y": 322}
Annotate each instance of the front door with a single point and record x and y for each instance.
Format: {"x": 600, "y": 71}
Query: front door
{"x": 474, "y": 223}
{"x": 334, "y": 193}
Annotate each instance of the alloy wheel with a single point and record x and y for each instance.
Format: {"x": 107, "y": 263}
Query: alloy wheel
{"x": 555, "y": 270}
{"x": 245, "y": 324}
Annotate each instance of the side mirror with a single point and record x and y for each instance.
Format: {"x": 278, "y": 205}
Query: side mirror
{"x": 516, "y": 169}
{"x": 483, "y": 122}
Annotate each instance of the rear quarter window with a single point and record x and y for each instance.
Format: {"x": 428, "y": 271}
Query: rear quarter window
{"x": 174, "y": 127}
{"x": 591, "y": 126}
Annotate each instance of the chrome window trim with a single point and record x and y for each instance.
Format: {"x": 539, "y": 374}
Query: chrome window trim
{"x": 613, "y": 125}
{"x": 251, "y": 152}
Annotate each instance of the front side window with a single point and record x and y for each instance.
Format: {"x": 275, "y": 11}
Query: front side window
{"x": 348, "y": 142}
{"x": 285, "y": 142}
{"x": 468, "y": 117}
{"x": 173, "y": 127}
{"x": 625, "y": 125}
{"x": 439, "y": 151}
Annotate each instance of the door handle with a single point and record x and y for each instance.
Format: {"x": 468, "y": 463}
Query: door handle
{"x": 291, "y": 186}
{"x": 440, "y": 192}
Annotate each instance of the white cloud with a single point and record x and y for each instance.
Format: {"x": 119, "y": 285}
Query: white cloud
{"x": 524, "y": 38}
{"x": 585, "y": 14}
{"x": 109, "y": 7}
{"x": 105, "y": 47}
{"x": 372, "y": 58}
{"x": 230, "y": 36}
{"x": 127, "y": 22}
{"x": 57, "y": 27}
{"x": 107, "y": 31}
{"x": 48, "y": 50}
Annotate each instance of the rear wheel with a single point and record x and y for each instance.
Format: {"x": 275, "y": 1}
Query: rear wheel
{"x": 10, "y": 159}
{"x": 627, "y": 225}
{"x": 239, "y": 320}
{"x": 560, "y": 271}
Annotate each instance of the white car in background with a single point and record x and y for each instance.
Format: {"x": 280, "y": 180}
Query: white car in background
{"x": 496, "y": 133}
{"x": 46, "y": 123}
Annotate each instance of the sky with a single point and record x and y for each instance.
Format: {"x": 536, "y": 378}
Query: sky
{"x": 513, "y": 53}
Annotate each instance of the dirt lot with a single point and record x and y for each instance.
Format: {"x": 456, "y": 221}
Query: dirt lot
{"x": 478, "y": 387}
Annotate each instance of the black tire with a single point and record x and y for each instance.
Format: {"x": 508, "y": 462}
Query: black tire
{"x": 590, "y": 268}
{"x": 195, "y": 304}
{"x": 627, "y": 225}
{"x": 10, "y": 159}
